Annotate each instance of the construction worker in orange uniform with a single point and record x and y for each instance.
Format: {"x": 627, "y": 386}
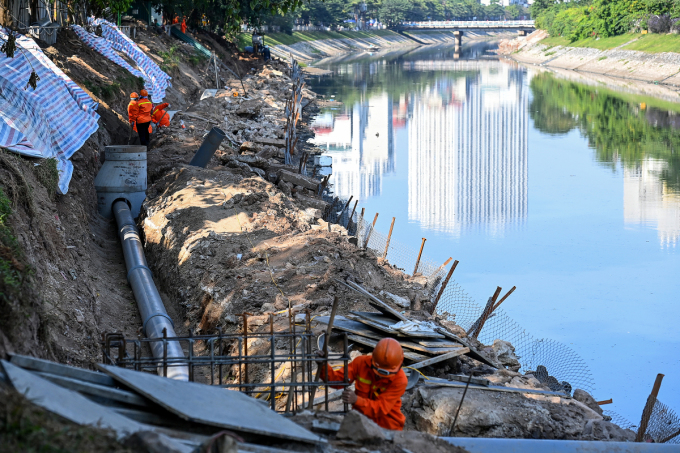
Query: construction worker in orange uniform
{"x": 159, "y": 116}
{"x": 379, "y": 382}
{"x": 139, "y": 116}
{"x": 184, "y": 25}
{"x": 175, "y": 20}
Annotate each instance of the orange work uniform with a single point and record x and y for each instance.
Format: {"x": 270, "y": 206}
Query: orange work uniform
{"x": 133, "y": 110}
{"x": 379, "y": 398}
{"x": 144, "y": 107}
{"x": 184, "y": 26}
{"x": 160, "y": 116}
{"x": 175, "y": 20}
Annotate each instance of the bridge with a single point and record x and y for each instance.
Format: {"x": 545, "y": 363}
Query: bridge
{"x": 470, "y": 25}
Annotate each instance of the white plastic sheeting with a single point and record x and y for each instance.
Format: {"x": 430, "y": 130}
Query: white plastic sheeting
{"x": 54, "y": 121}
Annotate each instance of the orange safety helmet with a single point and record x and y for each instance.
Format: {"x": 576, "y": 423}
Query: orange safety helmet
{"x": 134, "y": 95}
{"x": 144, "y": 92}
{"x": 387, "y": 356}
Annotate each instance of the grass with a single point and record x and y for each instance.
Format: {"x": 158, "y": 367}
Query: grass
{"x": 646, "y": 43}
{"x": 170, "y": 58}
{"x": 275, "y": 39}
{"x": 656, "y": 43}
{"x": 48, "y": 175}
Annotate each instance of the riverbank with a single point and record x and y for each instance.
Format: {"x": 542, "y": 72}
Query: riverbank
{"x": 614, "y": 58}
{"x": 314, "y": 45}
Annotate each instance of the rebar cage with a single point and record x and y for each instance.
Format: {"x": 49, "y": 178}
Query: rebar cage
{"x": 275, "y": 366}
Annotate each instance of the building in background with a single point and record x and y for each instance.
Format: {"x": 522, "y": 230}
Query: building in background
{"x": 360, "y": 142}
{"x": 648, "y": 201}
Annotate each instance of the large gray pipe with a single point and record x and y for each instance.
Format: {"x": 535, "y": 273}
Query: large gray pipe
{"x": 208, "y": 148}
{"x": 154, "y": 316}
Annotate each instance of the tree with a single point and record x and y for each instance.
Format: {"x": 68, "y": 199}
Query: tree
{"x": 393, "y": 12}
{"x": 512, "y": 12}
{"x": 494, "y": 10}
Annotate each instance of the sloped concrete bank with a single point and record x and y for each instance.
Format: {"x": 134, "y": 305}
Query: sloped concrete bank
{"x": 645, "y": 73}
{"x": 314, "y": 50}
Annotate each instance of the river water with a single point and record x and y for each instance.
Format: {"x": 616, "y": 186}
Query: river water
{"x": 569, "y": 192}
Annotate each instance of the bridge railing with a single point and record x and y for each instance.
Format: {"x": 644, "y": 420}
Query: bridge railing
{"x": 471, "y": 24}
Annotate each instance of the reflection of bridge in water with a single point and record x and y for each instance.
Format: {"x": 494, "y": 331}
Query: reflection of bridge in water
{"x": 452, "y": 65}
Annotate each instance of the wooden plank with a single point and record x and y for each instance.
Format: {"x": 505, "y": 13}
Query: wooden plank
{"x": 413, "y": 356}
{"x": 473, "y": 352}
{"x": 388, "y": 322}
{"x": 348, "y": 325}
{"x": 440, "y": 358}
{"x": 374, "y": 301}
{"x": 376, "y": 325}
{"x": 435, "y": 343}
{"x": 435, "y": 382}
{"x": 31, "y": 363}
{"x": 100, "y": 391}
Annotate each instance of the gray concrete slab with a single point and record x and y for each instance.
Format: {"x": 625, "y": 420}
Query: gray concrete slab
{"x": 211, "y": 405}
{"x": 32, "y": 363}
{"x": 67, "y": 403}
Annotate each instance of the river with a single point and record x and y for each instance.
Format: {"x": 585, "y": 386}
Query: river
{"x": 569, "y": 192}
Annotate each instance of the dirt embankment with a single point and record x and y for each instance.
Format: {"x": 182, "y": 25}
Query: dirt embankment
{"x": 641, "y": 72}
{"x": 68, "y": 280}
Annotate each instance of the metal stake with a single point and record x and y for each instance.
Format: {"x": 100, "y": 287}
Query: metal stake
{"x": 649, "y": 406}
{"x": 441, "y": 290}
{"x": 389, "y": 236}
{"x": 368, "y": 237}
{"x": 422, "y": 245}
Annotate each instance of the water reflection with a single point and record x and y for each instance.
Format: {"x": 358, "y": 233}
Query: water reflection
{"x": 464, "y": 123}
{"x": 626, "y": 132}
{"x": 468, "y": 148}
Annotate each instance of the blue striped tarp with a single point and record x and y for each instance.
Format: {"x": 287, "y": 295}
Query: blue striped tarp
{"x": 156, "y": 81}
{"x": 54, "y": 121}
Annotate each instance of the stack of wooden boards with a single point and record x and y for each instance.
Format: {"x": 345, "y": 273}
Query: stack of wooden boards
{"x": 421, "y": 347}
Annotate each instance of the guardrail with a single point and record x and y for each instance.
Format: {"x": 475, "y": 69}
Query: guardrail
{"x": 471, "y": 24}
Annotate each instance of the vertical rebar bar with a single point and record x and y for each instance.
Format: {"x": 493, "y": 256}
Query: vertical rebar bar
{"x": 212, "y": 361}
{"x": 345, "y": 356}
{"x": 245, "y": 345}
{"x": 220, "y": 353}
{"x": 191, "y": 356}
{"x": 422, "y": 245}
{"x": 165, "y": 352}
{"x": 441, "y": 290}
{"x": 389, "y": 236}
{"x": 273, "y": 358}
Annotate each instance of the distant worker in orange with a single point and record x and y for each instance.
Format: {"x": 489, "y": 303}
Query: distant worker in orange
{"x": 175, "y": 20}
{"x": 184, "y": 25}
{"x": 379, "y": 381}
{"x": 159, "y": 116}
{"x": 139, "y": 116}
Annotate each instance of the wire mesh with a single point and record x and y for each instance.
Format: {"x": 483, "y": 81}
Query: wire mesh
{"x": 551, "y": 362}
{"x": 660, "y": 423}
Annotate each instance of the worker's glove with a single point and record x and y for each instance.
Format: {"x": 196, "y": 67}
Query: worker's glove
{"x": 321, "y": 357}
{"x": 349, "y": 397}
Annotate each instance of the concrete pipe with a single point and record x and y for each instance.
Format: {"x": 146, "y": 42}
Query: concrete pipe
{"x": 208, "y": 148}
{"x": 154, "y": 316}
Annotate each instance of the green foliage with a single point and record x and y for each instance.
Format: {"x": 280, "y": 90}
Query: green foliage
{"x": 573, "y": 23}
{"x": 170, "y": 58}
{"x": 620, "y": 129}
{"x": 512, "y": 12}
{"x": 48, "y": 175}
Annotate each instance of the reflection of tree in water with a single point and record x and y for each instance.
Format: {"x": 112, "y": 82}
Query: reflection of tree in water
{"x": 618, "y": 129}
